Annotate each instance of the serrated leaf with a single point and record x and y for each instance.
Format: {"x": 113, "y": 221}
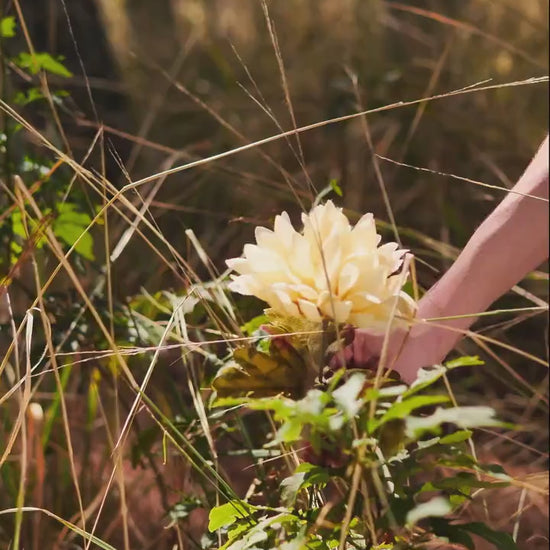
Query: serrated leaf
{"x": 226, "y": 514}
{"x": 313, "y": 410}
{"x": 281, "y": 371}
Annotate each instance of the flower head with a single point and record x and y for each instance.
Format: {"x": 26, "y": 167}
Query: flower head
{"x": 330, "y": 270}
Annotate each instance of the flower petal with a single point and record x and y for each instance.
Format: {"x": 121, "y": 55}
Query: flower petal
{"x": 330, "y": 270}
{"x": 309, "y": 310}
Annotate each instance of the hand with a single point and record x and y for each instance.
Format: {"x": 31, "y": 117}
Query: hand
{"x": 406, "y": 352}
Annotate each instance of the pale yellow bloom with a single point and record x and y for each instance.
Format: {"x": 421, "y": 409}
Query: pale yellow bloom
{"x": 330, "y": 270}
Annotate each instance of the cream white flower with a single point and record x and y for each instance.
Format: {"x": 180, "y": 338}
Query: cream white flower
{"x": 330, "y": 270}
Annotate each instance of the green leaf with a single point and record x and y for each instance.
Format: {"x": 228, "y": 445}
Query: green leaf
{"x": 453, "y": 533}
{"x": 260, "y": 532}
{"x": 465, "y": 417}
{"x": 438, "y": 506}
{"x": 456, "y": 437}
{"x": 346, "y": 396}
{"x": 254, "y": 324}
{"x": 71, "y": 225}
{"x": 36, "y": 62}
{"x": 18, "y": 228}
{"x": 425, "y": 377}
{"x": 466, "y": 361}
{"x": 314, "y": 410}
{"x": 495, "y": 470}
{"x": 458, "y": 460}
{"x": 17, "y": 225}
{"x": 299, "y": 543}
{"x": 392, "y": 437}
{"x": 15, "y": 251}
{"x": 234, "y": 534}
{"x": 336, "y": 187}
{"x": 501, "y": 541}
{"x": 7, "y": 27}
{"x": 290, "y": 487}
{"x": 429, "y": 375}
{"x": 458, "y": 533}
{"x": 24, "y": 98}
{"x": 304, "y": 476}
{"x": 408, "y": 288}
{"x": 402, "y": 409}
{"x": 462, "y": 482}
{"x": 333, "y": 186}
{"x": 228, "y": 513}
{"x": 290, "y": 431}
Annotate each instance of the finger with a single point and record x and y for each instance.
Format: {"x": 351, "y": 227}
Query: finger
{"x": 342, "y": 357}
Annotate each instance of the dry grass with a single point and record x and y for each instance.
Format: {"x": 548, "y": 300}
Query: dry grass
{"x": 214, "y": 117}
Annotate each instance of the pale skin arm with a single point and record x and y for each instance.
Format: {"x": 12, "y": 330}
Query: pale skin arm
{"x": 511, "y": 242}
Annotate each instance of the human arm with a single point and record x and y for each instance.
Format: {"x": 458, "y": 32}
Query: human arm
{"x": 511, "y": 242}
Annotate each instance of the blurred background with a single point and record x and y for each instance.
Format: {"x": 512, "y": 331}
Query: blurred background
{"x": 172, "y": 81}
{"x": 163, "y": 76}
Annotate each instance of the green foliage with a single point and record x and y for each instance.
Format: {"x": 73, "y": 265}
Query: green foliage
{"x": 253, "y": 326}
{"x": 226, "y": 514}
{"x": 7, "y": 27}
{"x": 272, "y": 463}
{"x": 68, "y": 224}
{"x": 351, "y": 426}
{"x": 306, "y": 475}
{"x": 435, "y": 507}
{"x": 336, "y": 187}
{"x": 332, "y": 187}
{"x": 459, "y": 533}
{"x": 29, "y": 96}
{"x": 21, "y": 231}
{"x": 71, "y": 227}
{"x": 37, "y": 62}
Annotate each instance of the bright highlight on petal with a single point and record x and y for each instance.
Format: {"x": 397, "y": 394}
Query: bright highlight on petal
{"x": 330, "y": 270}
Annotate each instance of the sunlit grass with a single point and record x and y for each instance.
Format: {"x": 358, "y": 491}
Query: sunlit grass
{"x": 127, "y": 432}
